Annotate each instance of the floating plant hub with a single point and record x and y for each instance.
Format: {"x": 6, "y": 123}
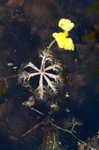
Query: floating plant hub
{"x": 49, "y": 72}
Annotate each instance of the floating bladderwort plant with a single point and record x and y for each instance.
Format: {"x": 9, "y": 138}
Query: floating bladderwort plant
{"x": 50, "y": 69}
{"x": 50, "y": 78}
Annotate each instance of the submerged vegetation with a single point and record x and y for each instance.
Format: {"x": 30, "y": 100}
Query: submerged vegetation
{"x": 50, "y": 69}
{"x": 40, "y": 113}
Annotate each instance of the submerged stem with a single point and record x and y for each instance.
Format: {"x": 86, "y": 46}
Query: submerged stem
{"x": 68, "y": 131}
{"x": 50, "y": 45}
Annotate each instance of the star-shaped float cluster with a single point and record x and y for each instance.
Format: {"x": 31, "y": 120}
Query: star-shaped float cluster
{"x": 49, "y": 73}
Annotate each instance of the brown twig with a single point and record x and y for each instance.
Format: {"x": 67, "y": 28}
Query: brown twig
{"x": 33, "y": 128}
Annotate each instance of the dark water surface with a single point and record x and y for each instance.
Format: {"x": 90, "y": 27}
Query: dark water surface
{"x": 26, "y": 27}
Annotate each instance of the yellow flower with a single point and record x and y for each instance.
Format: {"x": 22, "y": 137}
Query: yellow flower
{"x": 65, "y": 24}
{"x": 62, "y": 37}
{"x": 63, "y": 41}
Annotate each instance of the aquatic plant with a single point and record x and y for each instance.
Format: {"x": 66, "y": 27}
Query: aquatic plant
{"x": 46, "y": 58}
{"x": 50, "y": 69}
{"x": 50, "y": 79}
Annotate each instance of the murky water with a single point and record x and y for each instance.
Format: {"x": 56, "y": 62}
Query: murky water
{"x": 26, "y": 28}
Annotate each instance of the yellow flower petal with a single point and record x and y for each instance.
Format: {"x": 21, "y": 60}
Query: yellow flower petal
{"x": 60, "y": 34}
{"x": 62, "y": 41}
{"x": 68, "y": 44}
{"x": 60, "y": 38}
{"x": 65, "y": 24}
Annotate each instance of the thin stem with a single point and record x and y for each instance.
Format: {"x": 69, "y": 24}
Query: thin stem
{"x": 36, "y": 110}
{"x": 33, "y": 128}
{"x": 50, "y": 45}
{"x": 68, "y": 131}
